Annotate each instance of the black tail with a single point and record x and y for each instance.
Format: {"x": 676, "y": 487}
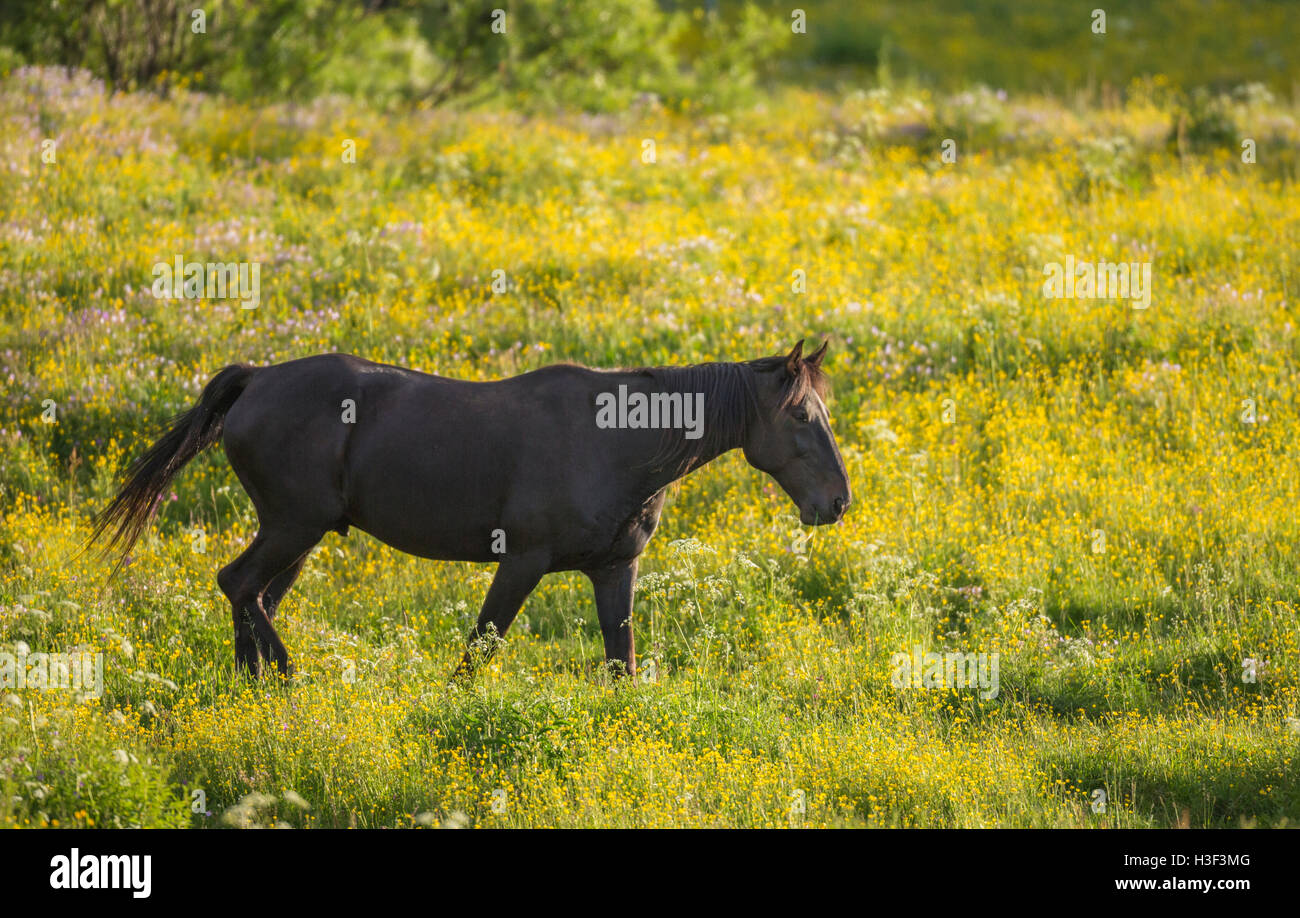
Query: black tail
{"x": 148, "y": 477}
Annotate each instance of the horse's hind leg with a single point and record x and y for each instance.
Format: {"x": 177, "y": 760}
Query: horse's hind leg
{"x": 273, "y": 560}
{"x": 279, "y": 586}
{"x": 230, "y": 580}
{"x": 271, "y": 599}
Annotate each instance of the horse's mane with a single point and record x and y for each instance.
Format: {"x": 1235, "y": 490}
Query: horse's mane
{"x": 730, "y": 404}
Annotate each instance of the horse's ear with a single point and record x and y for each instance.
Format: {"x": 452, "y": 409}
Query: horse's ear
{"x": 816, "y": 359}
{"x": 792, "y": 359}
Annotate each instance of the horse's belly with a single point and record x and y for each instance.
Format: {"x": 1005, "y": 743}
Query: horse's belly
{"x": 441, "y": 546}
{"x": 436, "y": 506}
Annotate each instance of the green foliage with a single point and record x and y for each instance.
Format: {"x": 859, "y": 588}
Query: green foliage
{"x": 603, "y": 55}
{"x": 1050, "y": 44}
{"x": 547, "y": 54}
{"x": 535, "y": 54}
{"x": 544, "y": 53}
{"x": 55, "y": 773}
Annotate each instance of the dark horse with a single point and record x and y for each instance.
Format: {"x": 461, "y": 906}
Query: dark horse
{"x": 539, "y": 472}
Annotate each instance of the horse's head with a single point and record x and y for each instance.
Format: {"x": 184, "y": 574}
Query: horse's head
{"x": 791, "y": 439}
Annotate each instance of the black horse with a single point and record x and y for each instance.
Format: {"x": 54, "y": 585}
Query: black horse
{"x": 560, "y": 469}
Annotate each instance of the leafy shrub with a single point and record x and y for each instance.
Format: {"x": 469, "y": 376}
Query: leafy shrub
{"x": 540, "y": 54}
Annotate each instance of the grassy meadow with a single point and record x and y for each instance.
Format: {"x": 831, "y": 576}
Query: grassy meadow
{"x": 1103, "y": 495}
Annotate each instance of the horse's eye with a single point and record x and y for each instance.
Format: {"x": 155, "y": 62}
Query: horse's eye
{"x": 801, "y": 416}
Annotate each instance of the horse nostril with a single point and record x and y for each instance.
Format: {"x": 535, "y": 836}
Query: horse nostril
{"x": 839, "y": 506}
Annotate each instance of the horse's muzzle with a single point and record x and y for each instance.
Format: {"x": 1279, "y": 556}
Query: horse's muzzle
{"x": 821, "y": 516}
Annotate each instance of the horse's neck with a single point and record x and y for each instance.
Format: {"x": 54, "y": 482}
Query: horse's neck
{"x": 660, "y": 478}
{"x": 725, "y": 417}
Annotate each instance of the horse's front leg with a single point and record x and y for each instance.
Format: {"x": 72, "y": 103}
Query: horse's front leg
{"x": 614, "y": 609}
{"x": 516, "y": 577}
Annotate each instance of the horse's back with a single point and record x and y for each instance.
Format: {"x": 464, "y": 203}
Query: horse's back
{"x": 445, "y": 463}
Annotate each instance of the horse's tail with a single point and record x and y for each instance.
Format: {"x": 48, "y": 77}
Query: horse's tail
{"x": 147, "y": 477}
